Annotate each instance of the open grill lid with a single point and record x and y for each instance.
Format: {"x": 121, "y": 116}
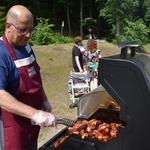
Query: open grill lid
{"x": 94, "y": 100}
{"x": 128, "y": 82}
{"x": 125, "y": 82}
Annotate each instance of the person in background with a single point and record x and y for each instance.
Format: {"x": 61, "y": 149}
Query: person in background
{"x": 82, "y": 49}
{"x": 77, "y": 56}
{"x": 91, "y": 57}
{"x": 23, "y": 104}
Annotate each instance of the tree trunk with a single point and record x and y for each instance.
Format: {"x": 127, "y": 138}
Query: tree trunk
{"x": 54, "y": 10}
{"x": 81, "y": 19}
{"x": 34, "y": 7}
{"x": 68, "y": 18}
{"x": 117, "y": 25}
{"x": 90, "y": 9}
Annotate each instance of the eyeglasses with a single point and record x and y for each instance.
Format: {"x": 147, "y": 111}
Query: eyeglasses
{"x": 24, "y": 31}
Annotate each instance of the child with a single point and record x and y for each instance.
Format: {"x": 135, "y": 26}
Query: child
{"x": 77, "y": 57}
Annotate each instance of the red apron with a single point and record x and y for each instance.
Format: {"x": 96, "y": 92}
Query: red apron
{"x": 19, "y": 134}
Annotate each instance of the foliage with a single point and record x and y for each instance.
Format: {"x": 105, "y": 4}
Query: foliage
{"x": 115, "y": 11}
{"x": 44, "y": 32}
{"x": 146, "y": 5}
{"x": 121, "y": 8}
{"x": 135, "y": 31}
{"x": 89, "y": 21}
{"x": 45, "y": 35}
{"x": 110, "y": 17}
{"x": 2, "y": 20}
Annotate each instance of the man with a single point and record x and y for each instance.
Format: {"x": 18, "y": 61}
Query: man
{"x": 22, "y": 97}
{"x": 77, "y": 56}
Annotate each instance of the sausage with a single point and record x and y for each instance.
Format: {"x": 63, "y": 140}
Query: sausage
{"x": 98, "y": 135}
{"x": 84, "y": 135}
{"x": 62, "y": 139}
{"x": 95, "y": 129}
{"x": 101, "y": 127}
{"x": 55, "y": 144}
{"x": 106, "y": 131}
{"x": 95, "y": 122}
{"x": 113, "y": 126}
{"x": 106, "y": 138}
{"x": 88, "y": 129}
{"x": 82, "y": 132}
{"x": 113, "y": 133}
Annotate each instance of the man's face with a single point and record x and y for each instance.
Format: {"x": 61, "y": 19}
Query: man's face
{"x": 20, "y": 33}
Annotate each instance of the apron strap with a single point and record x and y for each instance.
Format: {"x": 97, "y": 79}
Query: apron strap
{"x": 9, "y": 47}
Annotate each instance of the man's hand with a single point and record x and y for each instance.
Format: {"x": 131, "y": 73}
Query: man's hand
{"x": 43, "y": 119}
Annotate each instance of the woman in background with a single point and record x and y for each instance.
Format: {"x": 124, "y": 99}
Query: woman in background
{"x": 91, "y": 56}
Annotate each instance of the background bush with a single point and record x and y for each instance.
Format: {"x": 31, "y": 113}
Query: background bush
{"x": 45, "y": 35}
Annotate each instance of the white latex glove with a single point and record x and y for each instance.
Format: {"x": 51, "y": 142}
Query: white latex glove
{"x": 44, "y": 119}
{"x": 47, "y": 106}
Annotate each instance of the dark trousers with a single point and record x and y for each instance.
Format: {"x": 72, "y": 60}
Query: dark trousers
{"x": 76, "y": 69}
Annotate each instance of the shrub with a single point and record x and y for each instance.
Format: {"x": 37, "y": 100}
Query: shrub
{"x": 45, "y": 35}
{"x": 2, "y": 20}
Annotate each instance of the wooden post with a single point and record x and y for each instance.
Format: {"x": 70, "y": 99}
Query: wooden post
{"x": 62, "y": 26}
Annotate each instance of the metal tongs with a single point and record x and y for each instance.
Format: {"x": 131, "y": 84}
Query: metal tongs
{"x": 66, "y": 122}
{"x": 70, "y": 123}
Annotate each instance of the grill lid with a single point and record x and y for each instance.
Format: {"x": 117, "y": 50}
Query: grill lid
{"x": 91, "y": 102}
{"x": 127, "y": 81}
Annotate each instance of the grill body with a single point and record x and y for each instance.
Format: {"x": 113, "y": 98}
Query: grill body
{"x": 123, "y": 97}
{"x": 128, "y": 82}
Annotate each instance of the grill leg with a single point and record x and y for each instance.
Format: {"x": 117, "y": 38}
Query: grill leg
{"x": 132, "y": 52}
{"x": 124, "y": 52}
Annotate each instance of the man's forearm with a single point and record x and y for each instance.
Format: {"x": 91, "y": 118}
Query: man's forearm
{"x": 12, "y": 105}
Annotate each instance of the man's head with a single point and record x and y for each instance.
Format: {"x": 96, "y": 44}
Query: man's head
{"x": 19, "y": 25}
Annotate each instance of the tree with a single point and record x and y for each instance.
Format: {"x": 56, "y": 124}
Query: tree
{"x": 146, "y": 5}
{"x": 2, "y": 20}
{"x": 115, "y": 11}
{"x": 81, "y": 18}
{"x": 112, "y": 16}
{"x": 135, "y": 30}
{"x": 67, "y": 4}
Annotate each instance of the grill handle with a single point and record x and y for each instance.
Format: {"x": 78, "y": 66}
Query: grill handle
{"x": 75, "y": 104}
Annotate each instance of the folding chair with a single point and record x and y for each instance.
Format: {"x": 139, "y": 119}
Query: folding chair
{"x": 78, "y": 84}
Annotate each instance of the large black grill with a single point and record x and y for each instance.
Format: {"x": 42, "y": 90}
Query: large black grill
{"x": 124, "y": 97}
